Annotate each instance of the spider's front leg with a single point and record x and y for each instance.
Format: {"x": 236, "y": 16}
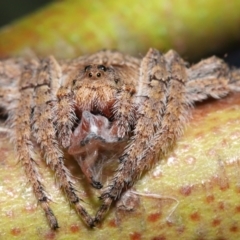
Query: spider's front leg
{"x": 162, "y": 107}
{"x": 10, "y": 75}
{"x": 20, "y": 119}
{"x": 44, "y": 130}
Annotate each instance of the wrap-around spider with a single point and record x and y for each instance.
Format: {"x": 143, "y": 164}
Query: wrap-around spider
{"x": 144, "y": 102}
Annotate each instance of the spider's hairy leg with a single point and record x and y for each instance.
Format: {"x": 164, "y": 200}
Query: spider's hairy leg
{"x": 151, "y": 99}
{"x": 45, "y": 134}
{"x": 65, "y": 114}
{"x": 234, "y": 83}
{"x": 210, "y": 77}
{"x": 8, "y": 103}
{"x": 124, "y": 110}
{"x": 10, "y": 73}
{"x": 21, "y": 121}
{"x": 8, "y": 99}
{"x": 175, "y": 114}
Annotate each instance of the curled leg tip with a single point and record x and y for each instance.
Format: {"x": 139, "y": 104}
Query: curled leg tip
{"x": 91, "y": 223}
{"x": 97, "y": 185}
{"x": 55, "y": 226}
{"x": 96, "y": 221}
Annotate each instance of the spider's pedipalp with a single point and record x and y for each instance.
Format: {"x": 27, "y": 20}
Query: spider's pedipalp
{"x": 64, "y": 117}
{"x": 124, "y": 110}
{"x": 45, "y": 134}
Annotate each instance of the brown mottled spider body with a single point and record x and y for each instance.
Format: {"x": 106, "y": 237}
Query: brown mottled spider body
{"x": 93, "y": 104}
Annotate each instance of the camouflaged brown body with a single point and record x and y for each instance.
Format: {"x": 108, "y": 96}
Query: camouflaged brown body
{"x": 146, "y": 98}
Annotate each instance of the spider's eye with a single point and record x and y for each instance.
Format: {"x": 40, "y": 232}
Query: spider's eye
{"x": 98, "y": 74}
{"x": 102, "y": 67}
{"x": 90, "y": 75}
{"x": 87, "y": 68}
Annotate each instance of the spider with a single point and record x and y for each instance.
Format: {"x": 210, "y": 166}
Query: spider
{"x": 100, "y": 104}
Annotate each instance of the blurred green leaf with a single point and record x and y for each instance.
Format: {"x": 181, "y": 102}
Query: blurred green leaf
{"x": 73, "y": 27}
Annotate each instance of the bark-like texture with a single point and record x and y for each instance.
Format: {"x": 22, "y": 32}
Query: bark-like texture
{"x": 192, "y": 193}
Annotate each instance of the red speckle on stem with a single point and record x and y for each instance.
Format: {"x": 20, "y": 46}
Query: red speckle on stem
{"x": 237, "y": 187}
{"x": 186, "y": 190}
{"x": 234, "y": 228}
{"x": 216, "y": 222}
{"x": 224, "y": 185}
{"x": 210, "y": 198}
{"x": 135, "y": 236}
{"x": 112, "y": 223}
{"x": 159, "y": 238}
{"x": 74, "y": 228}
{"x": 221, "y": 205}
{"x": 237, "y": 209}
{"x": 153, "y": 217}
{"x": 50, "y": 235}
{"x": 195, "y": 216}
{"x": 15, "y": 231}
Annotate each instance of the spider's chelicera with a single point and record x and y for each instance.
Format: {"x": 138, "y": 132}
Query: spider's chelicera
{"x": 101, "y": 105}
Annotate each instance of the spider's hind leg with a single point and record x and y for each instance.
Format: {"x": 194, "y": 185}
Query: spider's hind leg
{"x": 209, "y": 78}
{"x": 45, "y": 132}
